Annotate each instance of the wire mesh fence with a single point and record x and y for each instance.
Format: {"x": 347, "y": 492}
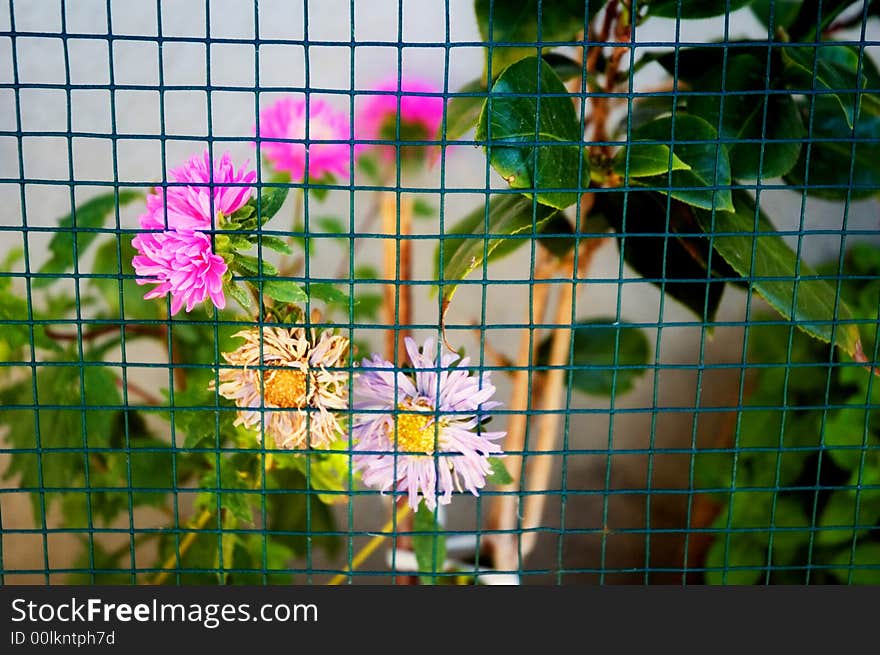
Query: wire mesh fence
{"x": 454, "y": 292}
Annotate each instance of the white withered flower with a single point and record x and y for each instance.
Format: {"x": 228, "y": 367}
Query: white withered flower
{"x": 302, "y": 387}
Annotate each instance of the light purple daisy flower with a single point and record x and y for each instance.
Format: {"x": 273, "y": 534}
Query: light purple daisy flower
{"x": 431, "y": 445}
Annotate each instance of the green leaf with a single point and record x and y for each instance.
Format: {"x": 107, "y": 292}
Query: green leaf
{"x": 864, "y": 569}
{"x": 238, "y": 294}
{"x": 509, "y": 215}
{"x": 510, "y": 129}
{"x": 646, "y": 159}
{"x": 601, "y": 348}
{"x": 686, "y": 9}
{"x": 271, "y": 200}
{"x": 423, "y": 209}
{"x": 693, "y": 144}
{"x": 735, "y": 561}
{"x": 671, "y": 252}
{"x": 463, "y": 111}
{"x": 846, "y": 436}
{"x": 839, "y": 523}
{"x": 284, "y": 291}
{"x": 775, "y": 274}
{"x": 90, "y": 216}
{"x": 765, "y": 127}
{"x": 499, "y": 474}
{"x": 844, "y": 163}
{"x": 784, "y": 12}
{"x": 253, "y": 267}
{"x": 829, "y": 79}
{"x": 328, "y": 293}
{"x": 297, "y": 518}
{"x": 333, "y": 225}
{"x": 516, "y": 21}
{"x": 275, "y": 243}
{"x": 107, "y": 261}
{"x": 430, "y": 548}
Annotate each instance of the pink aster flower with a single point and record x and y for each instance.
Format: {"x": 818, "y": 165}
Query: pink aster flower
{"x": 200, "y": 186}
{"x": 285, "y": 120}
{"x": 420, "y": 115}
{"x": 180, "y": 263}
{"x": 422, "y": 434}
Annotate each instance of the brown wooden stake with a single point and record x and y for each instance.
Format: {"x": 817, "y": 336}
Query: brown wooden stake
{"x": 503, "y": 511}
{"x": 397, "y": 309}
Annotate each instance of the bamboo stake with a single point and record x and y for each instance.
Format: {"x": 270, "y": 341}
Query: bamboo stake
{"x": 397, "y": 265}
{"x": 503, "y": 512}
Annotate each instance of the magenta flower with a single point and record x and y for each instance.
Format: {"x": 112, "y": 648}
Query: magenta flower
{"x": 432, "y": 444}
{"x": 174, "y": 253}
{"x": 286, "y": 120}
{"x": 189, "y": 207}
{"x": 420, "y": 115}
{"x": 180, "y": 263}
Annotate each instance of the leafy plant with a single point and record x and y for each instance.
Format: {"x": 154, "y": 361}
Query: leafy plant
{"x": 796, "y": 489}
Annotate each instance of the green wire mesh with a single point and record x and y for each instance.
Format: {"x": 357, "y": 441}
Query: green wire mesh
{"x": 628, "y": 507}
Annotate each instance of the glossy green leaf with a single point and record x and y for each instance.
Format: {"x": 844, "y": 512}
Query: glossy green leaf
{"x": 771, "y": 268}
{"x": 809, "y": 72}
{"x": 518, "y": 115}
{"x": 284, "y": 291}
{"x": 736, "y": 560}
{"x": 843, "y": 162}
{"x": 509, "y": 215}
{"x": 646, "y": 160}
{"x": 516, "y": 21}
{"x": 685, "y": 9}
{"x": 430, "y": 546}
{"x": 271, "y": 199}
{"x": 90, "y": 216}
{"x": 608, "y": 359}
{"x": 765, "y": 127}
{"x": 695, "y": 142}
{"x": 463, "y": 111}
{"x": 783, "y": 12}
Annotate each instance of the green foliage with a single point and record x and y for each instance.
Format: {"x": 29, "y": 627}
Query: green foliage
{"x": 774, "y": 271}
{"x": 515, "y": 21}
{"x": 708, "y": 166}
{"x": 508, "y": 216}
{"x": 607, "y": 359}
{"x": 84, "y": 222}
{"x": 773, "y": 525}
{"x": 429, "y": 544}
{"x": 685, "y": 9}
{"x": 520, "y": 146}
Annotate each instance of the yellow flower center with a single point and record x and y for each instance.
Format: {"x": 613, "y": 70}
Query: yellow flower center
{"x": 286, "y": 388}
{"x": 415, "y": 431}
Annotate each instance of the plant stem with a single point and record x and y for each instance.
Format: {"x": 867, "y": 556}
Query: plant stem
{"x": 171, "y": 564}
{"x": 371, "y": 546}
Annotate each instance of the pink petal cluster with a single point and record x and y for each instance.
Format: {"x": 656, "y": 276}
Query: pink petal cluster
{"x": 174, "y": 253}
{"x": 180, "y": 263}
{"x": 199, "y": 186}
{"x": 377, "y": 113}
{"x": 285, "y": 121}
